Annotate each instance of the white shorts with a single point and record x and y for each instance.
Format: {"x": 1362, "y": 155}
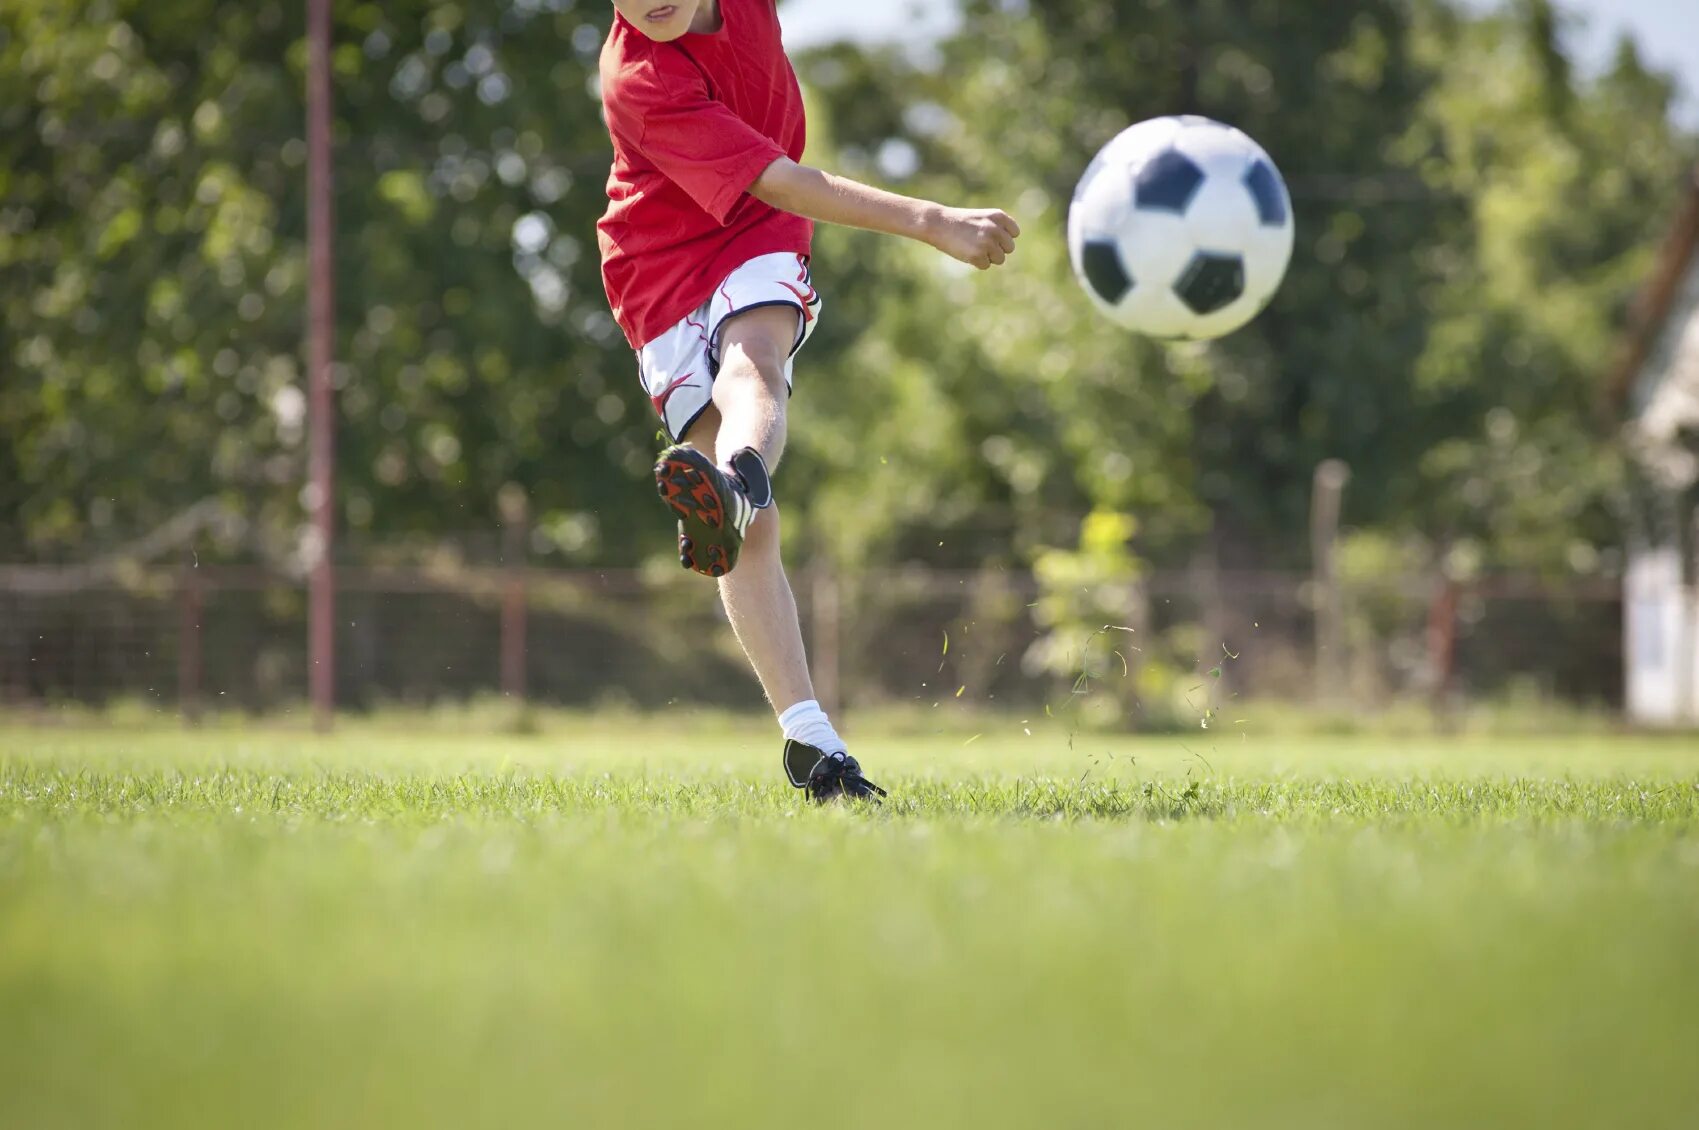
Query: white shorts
{"x": 678, "y": 368}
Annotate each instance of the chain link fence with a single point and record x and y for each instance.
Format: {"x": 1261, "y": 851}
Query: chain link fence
{"x": 234, "y": 638}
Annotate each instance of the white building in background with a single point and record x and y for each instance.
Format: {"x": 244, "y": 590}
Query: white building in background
{"x": 1657, "y": 385}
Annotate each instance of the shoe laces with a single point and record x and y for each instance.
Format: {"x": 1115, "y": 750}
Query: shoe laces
{"x": 840, "y": 773}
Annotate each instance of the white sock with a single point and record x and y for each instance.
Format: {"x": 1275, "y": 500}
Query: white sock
{"x": 806, "y": 722}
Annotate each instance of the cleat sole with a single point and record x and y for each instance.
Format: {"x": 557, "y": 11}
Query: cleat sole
{"x": 708, "y": 544}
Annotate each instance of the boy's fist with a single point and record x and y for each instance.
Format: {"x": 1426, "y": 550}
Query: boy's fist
{"x": 979, "y": 237}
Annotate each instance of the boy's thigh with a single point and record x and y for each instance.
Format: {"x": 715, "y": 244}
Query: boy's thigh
{"x": 766, "y": 307}
{"x": 765, "y": 336}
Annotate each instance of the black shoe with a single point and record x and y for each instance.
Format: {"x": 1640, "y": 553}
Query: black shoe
{"x": 714, "y": 510}
{"x": 827, "y": 776}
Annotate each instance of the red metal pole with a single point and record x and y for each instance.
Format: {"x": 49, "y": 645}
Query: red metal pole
{"x": 513, "y": 635}
{"x": 321, "y": 595}
{"x": 188, "y": 645}
{"x": 516, "y": 531}
{"x": 1442, "y": 641}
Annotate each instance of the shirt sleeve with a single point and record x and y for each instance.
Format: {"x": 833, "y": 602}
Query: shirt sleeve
{"x": 691, "y": 137}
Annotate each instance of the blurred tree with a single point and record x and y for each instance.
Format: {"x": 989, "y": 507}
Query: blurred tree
{"x": 1564, "y": 190}
{"x": 1064, "y": 411}
{"x": 1471, "y": 215}
{"x": 151, "y": 235}
{"x": 1471, "y": 218}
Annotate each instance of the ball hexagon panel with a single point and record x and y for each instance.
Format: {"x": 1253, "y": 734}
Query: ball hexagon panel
{"x": 1222, "y": 216}
{"x": 1267, "y": 253}
{"x": 1213, "y": 147}
{"x": 1155, "y": 248}
{"x": 1158, "y": 311}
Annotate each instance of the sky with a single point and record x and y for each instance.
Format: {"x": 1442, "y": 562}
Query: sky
{"x": 1667, "y": 30}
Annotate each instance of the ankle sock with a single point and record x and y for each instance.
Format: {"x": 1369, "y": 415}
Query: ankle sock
{"x": 806, "y": 722}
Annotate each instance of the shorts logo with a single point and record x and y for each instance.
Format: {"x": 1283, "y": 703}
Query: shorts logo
{"x": 808, "y": 299}
{"x": 660, "y": 402}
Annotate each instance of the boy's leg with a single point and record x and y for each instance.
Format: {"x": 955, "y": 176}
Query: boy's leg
{"x": 750, "y": 391}
{"x": 758, "y": 598}
{"x": 716, "y": 498}
{"x": 747, "y": 414}
{"x": 762, "y": 611}
{"x": 749, "y": 411}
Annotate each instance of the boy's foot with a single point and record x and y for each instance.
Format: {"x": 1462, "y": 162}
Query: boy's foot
{"x": 827, "y": 776}
{"x": 714, "y": 509}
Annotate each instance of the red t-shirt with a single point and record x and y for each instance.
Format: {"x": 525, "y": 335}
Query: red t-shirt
{"x": 694, "y": 123}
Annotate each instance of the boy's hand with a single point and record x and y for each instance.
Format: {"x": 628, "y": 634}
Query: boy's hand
{"x": 979, "y": 237}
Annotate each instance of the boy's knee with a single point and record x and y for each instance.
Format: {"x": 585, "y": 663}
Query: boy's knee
{"x": 756, "y": 345}
{"x": 765, "y": 366}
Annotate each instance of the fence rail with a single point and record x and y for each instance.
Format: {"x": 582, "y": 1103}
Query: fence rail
{"x": 182, "y": 637}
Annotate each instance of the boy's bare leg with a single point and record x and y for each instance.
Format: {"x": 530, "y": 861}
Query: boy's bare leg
{"x": 749, "y": 411}
{"x": 762, "y": 611}
{"x": 757, "y": 595}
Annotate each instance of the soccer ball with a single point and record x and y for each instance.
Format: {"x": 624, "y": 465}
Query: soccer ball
{"x": 1181, "y": 228}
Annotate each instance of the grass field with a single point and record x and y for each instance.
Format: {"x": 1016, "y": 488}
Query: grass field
{"x": 607, "y": 924}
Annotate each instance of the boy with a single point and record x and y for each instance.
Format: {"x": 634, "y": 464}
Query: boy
{"x": 705, "y": 256}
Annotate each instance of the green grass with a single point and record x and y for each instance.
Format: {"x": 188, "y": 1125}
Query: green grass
{"x": 623, "y": 922}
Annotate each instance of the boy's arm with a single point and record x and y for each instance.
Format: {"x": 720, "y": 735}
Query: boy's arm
{"x": 980, "y": 237}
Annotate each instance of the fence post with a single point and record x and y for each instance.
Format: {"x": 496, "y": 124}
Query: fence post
{"x": 1686, "y": 664}
{"x": 826, "y": 600}
{"x": 1329, "y": 488}
{"x": 321, "y": 353}
{"x": 1442, "y": 642}
{"x": 516, "y": 532}
{"x": 190, "y": 605}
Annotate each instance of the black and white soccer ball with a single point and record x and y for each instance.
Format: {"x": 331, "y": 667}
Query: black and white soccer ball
{"x": 1181, "y": 228}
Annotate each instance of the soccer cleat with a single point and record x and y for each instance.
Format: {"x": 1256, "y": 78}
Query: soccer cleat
{"x": 714, "y": 510}
{"x": 827, "y": 776}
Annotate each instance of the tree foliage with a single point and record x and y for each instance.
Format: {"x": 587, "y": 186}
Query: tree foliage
{"x": 152, "y": 237}
{"x": 1472, "y": 217}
